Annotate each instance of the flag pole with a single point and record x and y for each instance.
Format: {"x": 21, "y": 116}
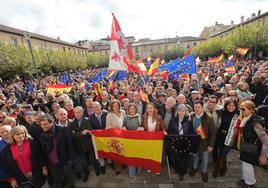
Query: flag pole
{"x": 169, "y": 173}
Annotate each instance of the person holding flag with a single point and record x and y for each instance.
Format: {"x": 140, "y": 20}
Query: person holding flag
{"x": 203, "y": 125}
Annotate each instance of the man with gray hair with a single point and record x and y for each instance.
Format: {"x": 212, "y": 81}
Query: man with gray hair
{"x": 4, "y": 137}
{"x": 98, "y": 121}
{"x": 62, "y": 119}
{"x": 82, "y": 142}
{"x": 169, "y": 111}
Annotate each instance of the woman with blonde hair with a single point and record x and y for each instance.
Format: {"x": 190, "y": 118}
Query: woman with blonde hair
{"x": 254, "y": 143}
{"x": 152, "y": 121}
{"x": 25, "y": 162}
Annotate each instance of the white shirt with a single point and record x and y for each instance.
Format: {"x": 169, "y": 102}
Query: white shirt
{"x": 180, "y": 127}
{"x": 151, "y": 124}
{"x": 120, "y": 120}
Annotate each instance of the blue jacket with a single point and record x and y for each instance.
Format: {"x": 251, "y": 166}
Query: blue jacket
{"x": 3, "y": 144}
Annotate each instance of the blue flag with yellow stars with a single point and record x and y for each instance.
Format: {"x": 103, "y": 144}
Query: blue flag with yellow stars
{"x": 178, "y": 145}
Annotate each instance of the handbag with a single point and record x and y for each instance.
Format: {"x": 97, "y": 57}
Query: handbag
{"x": 249, "y": 152}
{"x": 26, "y": 184}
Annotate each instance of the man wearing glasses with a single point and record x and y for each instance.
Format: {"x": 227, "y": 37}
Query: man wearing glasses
{"x": 214, "y": 110}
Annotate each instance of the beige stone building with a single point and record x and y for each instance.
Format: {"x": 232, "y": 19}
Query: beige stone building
{"x": 262, "y": 19}
{"x": 16, "y": 37}
{"x": 144, "y": 47}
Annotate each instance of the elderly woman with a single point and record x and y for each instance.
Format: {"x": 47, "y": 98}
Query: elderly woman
{"x": 253, "y": 135}
{"x": 132, "y": 122}
{"x": 180, "y": 125}
{"x": 243, "y": 91}
{"x": 24, "y": 160}
{"x": 114, "y": 120}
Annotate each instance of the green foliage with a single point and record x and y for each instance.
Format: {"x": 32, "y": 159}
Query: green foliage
{"x": 18, "y": 61}
{"x": 241, "y": 37}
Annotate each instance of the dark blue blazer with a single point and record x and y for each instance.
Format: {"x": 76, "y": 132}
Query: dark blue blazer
{"x": 186, "y": 126}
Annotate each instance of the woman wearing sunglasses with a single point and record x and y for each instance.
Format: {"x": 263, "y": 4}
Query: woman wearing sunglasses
{"x": 254, "y": 143}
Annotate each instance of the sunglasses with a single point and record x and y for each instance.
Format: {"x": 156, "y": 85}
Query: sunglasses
{"x": 243, "y": 109}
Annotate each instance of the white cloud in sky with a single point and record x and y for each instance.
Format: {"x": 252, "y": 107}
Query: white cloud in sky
{"x": 74, "y": 20}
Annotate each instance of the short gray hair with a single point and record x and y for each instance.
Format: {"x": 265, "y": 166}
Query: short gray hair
{"x": 183, "y": 107}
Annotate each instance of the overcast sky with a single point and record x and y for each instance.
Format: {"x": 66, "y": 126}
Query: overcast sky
{"x": 74, "y": 20}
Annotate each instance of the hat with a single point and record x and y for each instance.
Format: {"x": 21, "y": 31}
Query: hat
{"x": 29, "y": 106}
{"x": 195, "y": 92}
{"x": 161, "y": 94}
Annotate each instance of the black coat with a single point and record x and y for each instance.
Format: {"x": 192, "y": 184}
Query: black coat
{"x": 186, "y": 126}
{"x": 64, "y": 145}
{"x": 95, "y": 122}
{"x": 37, "y": 160}
{"x": 250, "y": 136}
{"x": 81, "y": 143}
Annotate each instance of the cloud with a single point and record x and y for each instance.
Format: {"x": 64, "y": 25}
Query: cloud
{"x": 74, "y": 20}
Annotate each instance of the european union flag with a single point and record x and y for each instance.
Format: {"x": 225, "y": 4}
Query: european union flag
{"x": 177, "y": 145}
{"x": 29, "y": 87}
{"x": 148, "y": 64}
{"x": 120, "y": 75}
{"x": 143, "y": 81}
{"x": 166, "y": 66}
{"x": 99, "y": 77}
{"x": 230, "y": 64}
{"x": 184, "y": 66}
{"x": 66, "y": 78}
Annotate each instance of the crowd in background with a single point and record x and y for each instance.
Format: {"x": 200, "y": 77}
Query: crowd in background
{"x": 46, "y": 137}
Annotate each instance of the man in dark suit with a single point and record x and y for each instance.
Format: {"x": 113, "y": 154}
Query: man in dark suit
{"x": 141, "y": 105}
{"x": 105, "y": 103}
{"x": 88, "y": 107}
{"x": 83, "y": 148}
{"x": 98, "y": 121}
{"x": 56, "y": 144}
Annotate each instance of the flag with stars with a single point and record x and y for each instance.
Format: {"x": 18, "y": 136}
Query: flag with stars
{"x": 177, "y": 145}
{"x": 185, "y": 66}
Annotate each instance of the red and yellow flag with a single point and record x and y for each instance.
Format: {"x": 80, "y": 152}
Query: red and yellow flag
{"x": 144, "y": 96}
{"x": 132, "y": 148}
{"x": 59, "y": 88}
{"x": 216, "y": 59}
{"x": 238, "y": 130}
{"x": 242, "y": 51}
{"x": 154, "y": 67}
{"x": 200, "y": 130}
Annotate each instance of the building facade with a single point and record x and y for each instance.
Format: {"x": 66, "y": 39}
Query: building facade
{"x": 15, "y": 37}
{"x": 261, "y": 19}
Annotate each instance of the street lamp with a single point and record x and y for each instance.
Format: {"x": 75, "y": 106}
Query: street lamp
{"x": 256, "y": 42}
{"x": 27, "y": 37}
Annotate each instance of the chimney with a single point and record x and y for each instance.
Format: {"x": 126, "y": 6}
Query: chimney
{"x": 232, "y": 22}
{"x": 253, "y": 15}
{"x": 58, "y": 38}
{"x": 242, "y": 19}
{"x": 259, "y": 12}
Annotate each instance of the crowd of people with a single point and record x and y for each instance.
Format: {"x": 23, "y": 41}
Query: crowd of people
{"x": 47, "y": 138}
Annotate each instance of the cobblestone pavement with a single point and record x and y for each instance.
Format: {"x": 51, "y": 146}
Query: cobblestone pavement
{"x": 150, "y": 180}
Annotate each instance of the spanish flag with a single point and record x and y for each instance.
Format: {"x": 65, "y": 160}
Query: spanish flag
{"x": 200, "y": 130}
{"x": 59, "y": 88}
{"x": 242, "y": 51}
{"x": 154, "y": 67}
{"x": 238, "y": 130}
{"x": 144, "y": 96}
{"x": 132, "y": 148}
{"x": 216, "y": 59}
